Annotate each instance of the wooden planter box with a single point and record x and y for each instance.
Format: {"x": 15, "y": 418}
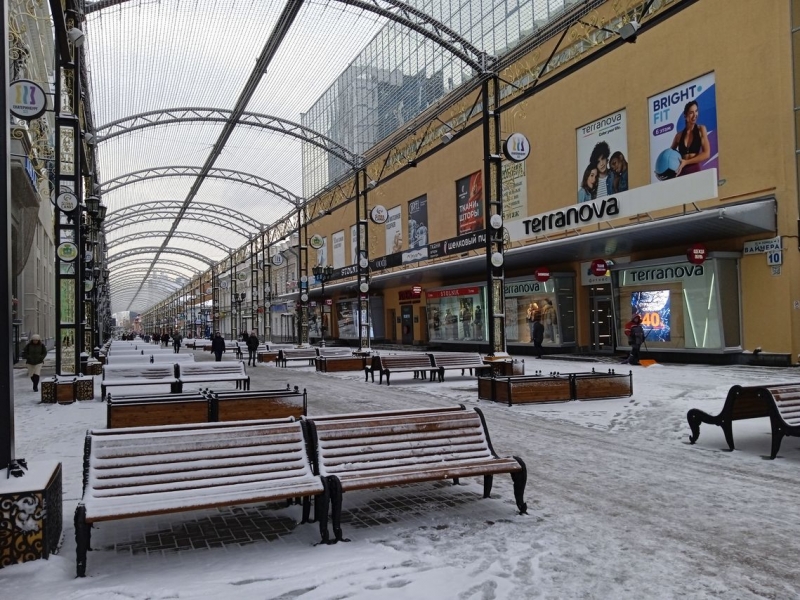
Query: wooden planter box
{"x": 65, "y": 391}
{"x": 505, "y": 368}
{"x": 334, "y": 364}
{"x": 593, "y": 386}
{"x": 84, "y": 388}
{"x": 525, "y": 389}
{"x": 266, "y": 357}
{"x": 31, "y": 514}
{"x": 47, "y": 389}
{"x": 555, "y": 388}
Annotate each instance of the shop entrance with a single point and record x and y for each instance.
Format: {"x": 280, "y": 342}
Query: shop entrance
{"x": 601, "y": 325}
{"x": 407, "y": 323}
{"x": 391, "y": 328}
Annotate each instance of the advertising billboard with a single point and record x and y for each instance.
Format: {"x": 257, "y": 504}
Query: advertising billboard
{"x": 418, "y": 222}
{"x": 603, "y": 157}
{"x": 469, "y": 202}
{"x": 394, "y": 231}
{"x": 654, "y": 308}
{"x": 322, "y": 253}
{"x": 338, "y": 249}
{"x": 683, "y": 129}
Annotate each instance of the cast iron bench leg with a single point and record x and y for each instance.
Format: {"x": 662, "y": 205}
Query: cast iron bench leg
{"x": 336, "y": 507}
{"x": 777, "y": 434}
{"x": 83, "y": 534}
{"x": 520, "y": 478}
{"x": 488, "y": 480}
{"x": 321, "y": 503}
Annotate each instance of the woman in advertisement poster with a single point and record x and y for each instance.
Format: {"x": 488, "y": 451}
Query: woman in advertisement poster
{"x": 588, "y": 190}
{"x": 691, "y": 143}
{"x": 466, "y": 319}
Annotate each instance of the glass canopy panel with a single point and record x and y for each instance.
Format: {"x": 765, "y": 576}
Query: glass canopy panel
{"x": 178, "y": 144}
{"x": 261, "y": 206}
{"x": 154, "y": 55}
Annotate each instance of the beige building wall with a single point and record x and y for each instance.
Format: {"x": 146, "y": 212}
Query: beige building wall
{"x": 748, "y": 47}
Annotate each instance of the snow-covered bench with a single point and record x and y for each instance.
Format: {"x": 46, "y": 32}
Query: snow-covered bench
{"x": 213, "y": 372}
{"x": 132, "y": 374}
{"x": 287, "y": 354}
{"x": 143, "y": 471}
{"x": 458, "y": 360}
{"x": 374, "y": 450}
{"x": 780, "y": 402}
{"x": 418, "y": 364}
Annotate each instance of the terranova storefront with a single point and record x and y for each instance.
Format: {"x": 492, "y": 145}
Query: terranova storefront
{"x": 684, "y": 306}
{"x": 457, "y": 314}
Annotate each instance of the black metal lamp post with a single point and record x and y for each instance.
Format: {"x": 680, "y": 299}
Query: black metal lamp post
{"x": 322, "y": 274}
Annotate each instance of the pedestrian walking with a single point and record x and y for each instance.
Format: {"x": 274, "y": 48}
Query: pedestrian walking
{"x": 537, "y": 333}
{"x": 252, "y": 348}
{"x": 177, "y": 338}
{"x": 218, "y": 346}
{"x": 35, "y": 353}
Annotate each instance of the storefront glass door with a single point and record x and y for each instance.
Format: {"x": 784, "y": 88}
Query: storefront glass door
{"x": 602, "y": 324}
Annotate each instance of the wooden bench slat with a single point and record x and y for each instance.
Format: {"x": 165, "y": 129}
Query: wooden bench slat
{"x": 416, "y": 475}
{"x": 156, "y": 485}
{"x": 340, "y": 447}
{"x": 368, "y": 462}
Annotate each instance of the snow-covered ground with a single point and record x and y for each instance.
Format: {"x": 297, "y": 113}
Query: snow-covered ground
{"x": 620, "y": 505}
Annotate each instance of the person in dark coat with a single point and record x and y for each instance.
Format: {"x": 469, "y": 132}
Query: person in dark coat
{"x": 537, "y": 332}
{"x": 35, "y": 353}
{"x": 635, "y": 333}
{"x": 218, "y": 346}
{"x": 252, "y": 347}
{"x": 177, "y": 338}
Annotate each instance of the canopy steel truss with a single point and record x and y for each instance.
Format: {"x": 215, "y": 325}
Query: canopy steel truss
{"x": 193, "y": 271}
{"x": 178, "y": 235}
{"x": 215, "y": 214}
{"x": 154, "y": 250}
{"x": 143, "y": 267}
{"x": 187, "y": 171}
{"x": 216, "y": 115}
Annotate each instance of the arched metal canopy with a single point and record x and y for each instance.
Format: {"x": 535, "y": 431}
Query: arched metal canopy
{"x": 215, "y": 214}
{"x": 193, "y": 271}
{"x": 140, "y": 268}
{"x": 178, "y": 235}
{"x": 216, "y": 115}
{"x": 394, "y": 10}
{"x": 154, "y": 250}
{"x": 186, "y": 171}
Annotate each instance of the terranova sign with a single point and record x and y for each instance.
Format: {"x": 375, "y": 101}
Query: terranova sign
{"x": 664, "y": 194}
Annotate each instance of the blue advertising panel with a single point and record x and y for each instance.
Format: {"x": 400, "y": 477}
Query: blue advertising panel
{"x": 654, "y": 308}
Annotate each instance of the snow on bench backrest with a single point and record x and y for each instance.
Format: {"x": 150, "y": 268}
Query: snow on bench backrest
{"x": 147, "y": 371}
{"x": 142, "y": 470}
{"x": 403, "y": 361}
{"x": 215, "y": 368}
{"x": 787, "y": 401}
{"x": 457, "y": 358}
{"x": 372, "y": 441}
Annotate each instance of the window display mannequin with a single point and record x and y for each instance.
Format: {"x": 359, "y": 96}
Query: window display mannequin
{"x": 531, "y": 314}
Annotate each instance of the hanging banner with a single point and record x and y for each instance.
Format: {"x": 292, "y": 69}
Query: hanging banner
{"x": 418, "y": 222}
{"x": 683, "y": 129}
{"x": 394, "y": 230}
{"x": 515, "y": 190}
{"x": 469, "y": 202}
{"x": 322, "y": 253}
{"x": 338, "y": 249}
{"x": 602, "y": 157}
{"x": 353, "y": 244}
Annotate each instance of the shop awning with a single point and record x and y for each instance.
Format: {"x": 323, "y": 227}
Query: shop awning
{"x": 730, "y": 221}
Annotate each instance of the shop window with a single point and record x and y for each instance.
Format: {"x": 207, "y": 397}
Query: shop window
{"x": 552, "y": 302}
{"x": 680, "y": 303}
{"x": 457, "y": 314}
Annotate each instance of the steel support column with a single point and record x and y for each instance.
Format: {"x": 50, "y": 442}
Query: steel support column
{"x": 363, "y": 319}
{"x": 493, "y": 205}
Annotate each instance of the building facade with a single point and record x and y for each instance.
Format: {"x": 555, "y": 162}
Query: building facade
{"x": 670, "y": 166}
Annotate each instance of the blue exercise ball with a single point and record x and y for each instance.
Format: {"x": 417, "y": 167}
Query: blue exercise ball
{"x": 667, "y": 164}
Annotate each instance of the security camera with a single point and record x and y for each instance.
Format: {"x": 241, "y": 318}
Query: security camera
{"x": 372, "y": 184}
{"x": 628, "y": 31}
{"x": 76, "y": 36}
{"x": 447, "y": 137}
{"x": 90, "y": 139}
